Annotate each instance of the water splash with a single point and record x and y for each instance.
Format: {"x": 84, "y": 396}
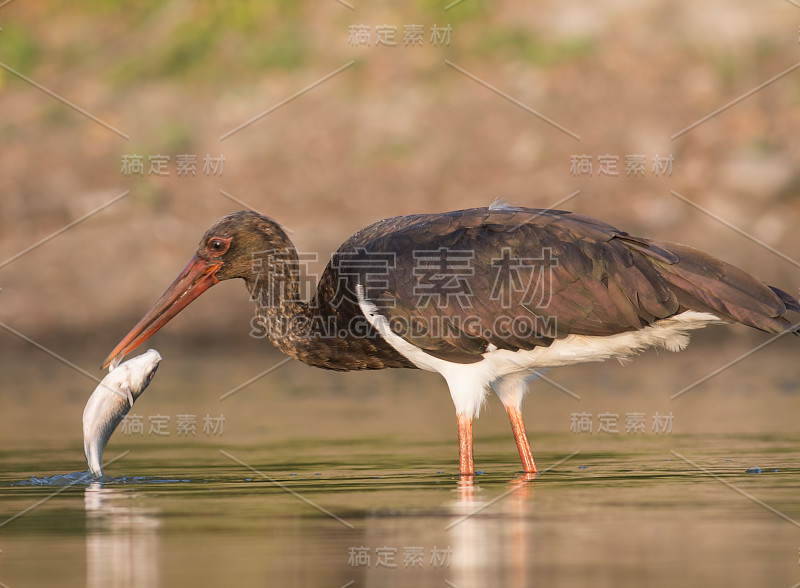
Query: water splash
{"x": 85, "y": 479}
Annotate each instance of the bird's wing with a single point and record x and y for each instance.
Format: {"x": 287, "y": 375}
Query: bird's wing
{"x": 704, "y": 283}
{"x": 455, "y": 283}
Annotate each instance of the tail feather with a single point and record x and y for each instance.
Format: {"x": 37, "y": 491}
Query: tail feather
{"x": 791, "y": 303}
{"x": 706, "y": 284}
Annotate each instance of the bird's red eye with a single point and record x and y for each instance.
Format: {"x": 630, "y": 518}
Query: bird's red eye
{"x": 217, "y": 246}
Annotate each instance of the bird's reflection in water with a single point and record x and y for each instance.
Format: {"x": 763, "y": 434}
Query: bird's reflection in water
{"x": 122, "y": 539}
{"x": 466, "y": 492}
{"x": 491, "y": 535}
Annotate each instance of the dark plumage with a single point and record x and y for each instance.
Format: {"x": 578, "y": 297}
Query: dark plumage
{"x": 605, "y": 282}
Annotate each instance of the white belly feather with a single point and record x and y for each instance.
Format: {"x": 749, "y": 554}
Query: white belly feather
{"x": 469, "y": 382}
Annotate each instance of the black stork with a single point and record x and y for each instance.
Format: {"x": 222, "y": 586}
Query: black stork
{"x": 483, "y": 296}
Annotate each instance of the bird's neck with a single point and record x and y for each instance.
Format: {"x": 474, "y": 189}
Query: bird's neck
{"x": 321, "y": 332}
{"x": 295, "y": 327}
{"x": 274, "y": 285}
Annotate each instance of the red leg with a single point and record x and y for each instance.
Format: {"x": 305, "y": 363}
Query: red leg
{"x": 466, "y": 466}
{"x": 525, "y": 453}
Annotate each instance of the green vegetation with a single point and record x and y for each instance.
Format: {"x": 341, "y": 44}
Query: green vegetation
{"x": 526, "y": 45}
{"x": 457, "y": 13}
{"x": 18, "y": 49}
{"x": 218, "y": 40}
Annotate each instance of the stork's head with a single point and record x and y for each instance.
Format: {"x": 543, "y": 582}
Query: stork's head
{"x": 225, "y": 251}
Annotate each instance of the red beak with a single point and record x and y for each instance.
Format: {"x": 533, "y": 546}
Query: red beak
{"x": 196, "y": 278}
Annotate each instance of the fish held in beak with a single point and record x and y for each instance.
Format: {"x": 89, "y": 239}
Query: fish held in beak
{"x": 111, "y": 401}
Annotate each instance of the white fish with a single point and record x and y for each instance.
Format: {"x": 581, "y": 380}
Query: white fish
{"x": 111, "y": 401}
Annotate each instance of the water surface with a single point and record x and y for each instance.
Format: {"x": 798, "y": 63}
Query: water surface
{"x": 323, "y": 479}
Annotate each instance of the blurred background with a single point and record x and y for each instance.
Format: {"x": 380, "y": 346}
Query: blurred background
{"x": 532, "y": 102}
{"x": 398, "y": 130}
